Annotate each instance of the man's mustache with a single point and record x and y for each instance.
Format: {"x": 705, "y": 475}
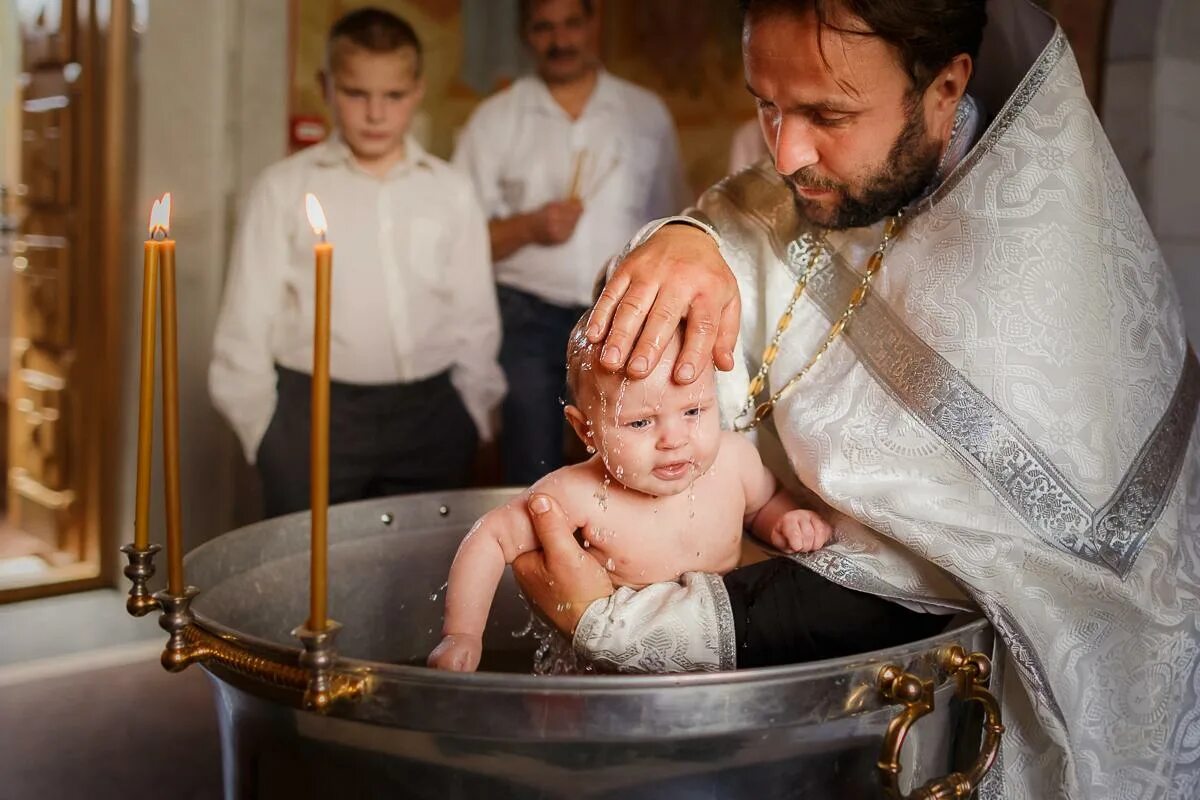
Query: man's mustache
{"x": 807, "y": 178}
{"x": 556, "y": 53}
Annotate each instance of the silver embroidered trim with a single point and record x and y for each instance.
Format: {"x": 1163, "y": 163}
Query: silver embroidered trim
{"x": 1023, "y": 653}
{"x": 1029, "y": 86}
{"x": 839, "y": 569}
{"x": 726, "y": 631}
{"x": 995, "y": 448}
{"x": 1126, "y": 520}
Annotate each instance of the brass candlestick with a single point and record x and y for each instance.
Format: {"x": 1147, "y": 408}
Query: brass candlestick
{"x": 175, "y": 620}
{"x": 139, "y": 571}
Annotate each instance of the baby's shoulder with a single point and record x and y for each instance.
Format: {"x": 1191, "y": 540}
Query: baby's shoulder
{"x": 571, "y": 486}
{"x": 737, "y": 449}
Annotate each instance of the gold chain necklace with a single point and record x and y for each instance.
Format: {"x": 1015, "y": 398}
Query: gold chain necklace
{"x": 765, "y": 409}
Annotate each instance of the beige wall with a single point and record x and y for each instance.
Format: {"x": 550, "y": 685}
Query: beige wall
{"x": 1175, "y": 169}
{"x": 211, "y": 105}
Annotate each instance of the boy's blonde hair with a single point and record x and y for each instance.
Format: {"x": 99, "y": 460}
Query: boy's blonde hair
{"x": 374, "y": 30}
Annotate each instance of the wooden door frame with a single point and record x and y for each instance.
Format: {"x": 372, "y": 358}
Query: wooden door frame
{"x": 104, "y": 170}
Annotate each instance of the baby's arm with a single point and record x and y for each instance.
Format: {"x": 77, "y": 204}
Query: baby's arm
{"x": 496, "y": 540}
{"x": 771, "y": 513}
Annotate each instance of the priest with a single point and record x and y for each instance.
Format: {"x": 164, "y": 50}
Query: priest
{"x": 940, "y": 309}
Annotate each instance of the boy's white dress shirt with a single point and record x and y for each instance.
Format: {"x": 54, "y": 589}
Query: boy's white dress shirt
{"x": 521, "y": 149}
{"x": 413, "y": 291}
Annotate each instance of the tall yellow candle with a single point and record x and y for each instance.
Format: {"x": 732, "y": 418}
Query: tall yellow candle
{"x": 170, "y": 398}
{"x": 318, "y": 616}
{"x": 159, "y": 216}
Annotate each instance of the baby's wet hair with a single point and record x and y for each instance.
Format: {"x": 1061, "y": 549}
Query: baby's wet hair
{"x": 582, "y": 355}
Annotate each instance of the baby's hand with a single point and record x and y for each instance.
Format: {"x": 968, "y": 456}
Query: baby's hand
{"x": 457, "y": 652}
{"x": 800, "y": 531}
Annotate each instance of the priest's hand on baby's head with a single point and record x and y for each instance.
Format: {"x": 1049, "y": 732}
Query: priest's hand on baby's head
{"x": 676, "y": 274}
{"x": 457, "y": 652}
{"x": 801, "y": 531}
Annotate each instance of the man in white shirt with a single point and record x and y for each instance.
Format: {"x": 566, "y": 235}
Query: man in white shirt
{"x": 568, "y": 164}
{"x": 415, "y": 328}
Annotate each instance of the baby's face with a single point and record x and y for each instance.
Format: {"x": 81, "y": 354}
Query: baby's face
{"x": 653, "y": 435}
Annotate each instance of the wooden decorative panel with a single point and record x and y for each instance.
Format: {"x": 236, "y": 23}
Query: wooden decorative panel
{"x": 40, "y": 422}
{"x": 47, "y": 32}
{"x": 42, "y": 282}
{"x": 47, "y": 166}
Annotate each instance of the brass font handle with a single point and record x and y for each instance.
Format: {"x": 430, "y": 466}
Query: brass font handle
{"x": 899, "y": 687}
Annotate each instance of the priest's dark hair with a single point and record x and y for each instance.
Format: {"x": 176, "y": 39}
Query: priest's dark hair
{"x": 526, "y": 8}
{"x": 374, "y": 30}
{"x": 927, "y": 34}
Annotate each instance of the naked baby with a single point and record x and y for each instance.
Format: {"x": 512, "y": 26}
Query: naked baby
{"x": 666, "y": 492}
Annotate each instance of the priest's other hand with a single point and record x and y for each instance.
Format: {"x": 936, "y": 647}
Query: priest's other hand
{"x": 677, "y": 273}
{"x": 560, "y": 579}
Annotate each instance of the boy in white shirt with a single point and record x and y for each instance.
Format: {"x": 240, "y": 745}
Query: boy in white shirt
{"x": 415, "y": 327}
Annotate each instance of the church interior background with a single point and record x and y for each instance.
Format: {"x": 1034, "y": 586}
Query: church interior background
{"x": 107, "y": 103}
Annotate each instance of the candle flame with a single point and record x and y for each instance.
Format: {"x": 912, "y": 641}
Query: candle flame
{"x": 316, "y": 214}
{"x": 160, "y": 215}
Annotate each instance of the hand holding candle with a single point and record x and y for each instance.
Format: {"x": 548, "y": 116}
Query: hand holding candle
{"x": 318, "y": 614}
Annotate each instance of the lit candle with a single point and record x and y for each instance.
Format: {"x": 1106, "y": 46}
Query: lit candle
{"x": 319, "y": 465}
{"x": 170, "y": 399}
{"x": 157, "y": 231}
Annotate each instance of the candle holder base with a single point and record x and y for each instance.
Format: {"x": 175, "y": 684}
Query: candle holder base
{"x": 139, "y": 571}
{"x": 324, "y": 687}
{"x": 175, "y": 619}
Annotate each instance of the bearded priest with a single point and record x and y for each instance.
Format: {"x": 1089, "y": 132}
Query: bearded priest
{"x": 941, "y": 310}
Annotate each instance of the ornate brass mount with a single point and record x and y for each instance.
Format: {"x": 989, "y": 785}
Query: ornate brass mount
{"x": 189, "y": 644}
{"x": 315, "y": 678}
{"x": 323, "y": 686}
{"x": 971, "y": 673}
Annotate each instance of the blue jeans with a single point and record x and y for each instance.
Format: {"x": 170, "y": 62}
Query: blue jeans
{"x": 533, "y": 354}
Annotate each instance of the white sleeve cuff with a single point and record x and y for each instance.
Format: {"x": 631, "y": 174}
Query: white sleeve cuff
{"x": 665, "y": 627}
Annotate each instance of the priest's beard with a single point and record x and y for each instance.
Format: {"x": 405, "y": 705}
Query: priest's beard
{"x": 910, "y": 167}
